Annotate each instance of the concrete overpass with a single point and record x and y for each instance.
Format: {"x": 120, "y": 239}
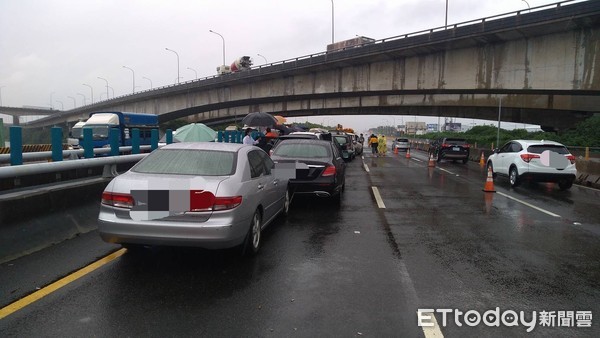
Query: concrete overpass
{"x": 541, "y": 66}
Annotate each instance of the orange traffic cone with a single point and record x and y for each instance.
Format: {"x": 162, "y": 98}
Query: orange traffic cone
{"x": 482, "y": 159}
{"x": 431, "y": 161}
{"x": 407, "y": 153}
{"x": 395, "y": 150}
{"x": 489, "y": 182}
{"x": 488, "y": 198}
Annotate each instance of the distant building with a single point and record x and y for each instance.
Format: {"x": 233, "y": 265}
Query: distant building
{"x": 416, "y": 127}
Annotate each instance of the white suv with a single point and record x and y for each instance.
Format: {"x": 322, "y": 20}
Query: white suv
{"x": 536, "y": 161}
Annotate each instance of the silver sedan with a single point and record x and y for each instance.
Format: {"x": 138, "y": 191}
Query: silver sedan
{"x": 205, "y": 194}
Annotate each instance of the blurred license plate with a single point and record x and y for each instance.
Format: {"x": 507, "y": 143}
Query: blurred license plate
{"x": 456, "y": 148}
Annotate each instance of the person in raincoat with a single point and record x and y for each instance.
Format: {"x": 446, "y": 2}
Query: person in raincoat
{"x": 382, "y": 145}
{"x": 373, "y": 144}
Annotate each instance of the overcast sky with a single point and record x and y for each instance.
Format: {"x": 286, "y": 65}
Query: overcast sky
{"x": 50, "y": 48}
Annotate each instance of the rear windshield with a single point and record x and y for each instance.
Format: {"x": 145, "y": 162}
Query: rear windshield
{"x": 402, "y": 140}
{"x": 455, "y": 141}
{"x": 301, "y": 150}
{"x": 188, "y": 162}
{"x": 538, "y": 149}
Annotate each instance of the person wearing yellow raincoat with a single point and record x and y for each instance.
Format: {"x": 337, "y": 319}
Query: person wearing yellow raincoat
{"x": 382, "y": 145}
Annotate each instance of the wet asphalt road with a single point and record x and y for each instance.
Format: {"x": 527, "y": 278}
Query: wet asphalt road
{"x": 353, "y": 270}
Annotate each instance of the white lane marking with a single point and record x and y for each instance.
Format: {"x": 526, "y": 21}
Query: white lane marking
{"x": 434, "y": 330}
{"x": 366, "y": 167}
{"x": 529, "y": 205}
{"x": 416, "y": 159}
{"x": 378, "y": 198}
{"x": 448, "y": 171}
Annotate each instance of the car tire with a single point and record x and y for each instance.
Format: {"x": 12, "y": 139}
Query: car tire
{"x": 253, "y": 238}
{"x": 513, "y": 177}
{"x": 565, "y": 184}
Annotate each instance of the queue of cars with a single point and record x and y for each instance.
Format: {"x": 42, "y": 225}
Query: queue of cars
{"x": 219, "y": 195}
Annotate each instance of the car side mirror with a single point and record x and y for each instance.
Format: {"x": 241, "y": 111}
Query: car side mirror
{"x": 496, "y": 150}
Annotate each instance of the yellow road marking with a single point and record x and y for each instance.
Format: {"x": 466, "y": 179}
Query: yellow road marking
{"x": 23, "y": 302}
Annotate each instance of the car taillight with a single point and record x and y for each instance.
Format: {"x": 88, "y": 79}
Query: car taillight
{"x": 225, "y": 203}
{"x": 528, "y": 157}
{"x": 329, "y": 171}
{"x": 466, "y": 145}
{"x": 571, "y": 158}
{"x": 446, "y": 145}
{"x": 117, "y": 200}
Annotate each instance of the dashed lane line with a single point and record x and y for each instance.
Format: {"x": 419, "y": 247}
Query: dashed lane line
{"x": 34, "y": 297}
{"x": 378, "y": 198}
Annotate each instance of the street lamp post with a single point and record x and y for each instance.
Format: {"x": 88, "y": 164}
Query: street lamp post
{"x": 194, "y": 72}
{"x": 112, "y": 90}
{"x": 446, "y": 22}
{"x": 51, "y": 102}
{"x": 332, "y": 24}
{"x": 222, "y": 38}
{"x": 170, "y": 50}
{"x": 1, "y": 95}
{"x": 92, "y": 91}
{"x": 84, "y": 100}
{"x": 143, "y": 77}
{"x": 263, "y": 58}
{"x": 133, "y": 77}
{"x": 101, "y": 78}
{"x": 527, "y": 5}
{"x": 74, "y": 101}
{"x": 62, "y": 106}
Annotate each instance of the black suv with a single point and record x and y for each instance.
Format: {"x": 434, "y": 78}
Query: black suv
{"x": 450, "y": 148}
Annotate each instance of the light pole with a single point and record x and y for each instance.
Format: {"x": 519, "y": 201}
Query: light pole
{"x": 101, "y": 78}
{"x": 112, "y": 90}
{"x": 527, "y": 5}
{"x": 1, "y": 95}
{"x": 332, "y": 23}
{"x": 263, "y": 58}
{"x": 446, "y": 22}
{"x": 177, "y": 62}
{"x": 62, "y": 106}
{"x": 222, "y": 38}
{"x": 92, "y": 90}
{"x": 74, "y": 101}
{"x": 84, "y": 101}
{"x": 194, "y": 72}
{"x": 143, "y": 77}
{"x": 133, "y": 77}
{"x": 51, "y": 102}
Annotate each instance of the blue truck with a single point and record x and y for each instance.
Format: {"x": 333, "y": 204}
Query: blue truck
{"x": 102, "y": 122}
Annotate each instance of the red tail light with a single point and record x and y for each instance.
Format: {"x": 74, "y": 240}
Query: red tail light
{"x": 466, "y": 145}
{"x": 226, "y": 203}
{"x": 329, "y": 171}
{"x": 571, "y": 158}
{"x": 117, "y": 200}
{"x": 528, "y": 157}
{"x": 446, "y": 145}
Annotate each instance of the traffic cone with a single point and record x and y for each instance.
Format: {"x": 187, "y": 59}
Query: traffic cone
{"x": 431, "y": 161}
{"x": 489, "y": 182}
{"x": 482, "y": 159}
{"x": 395, "y": 150}
{"x": 488, "y": 198}
{"x": 407, "y": 153}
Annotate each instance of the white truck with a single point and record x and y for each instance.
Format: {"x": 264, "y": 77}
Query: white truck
{"x": 75, "y": 135}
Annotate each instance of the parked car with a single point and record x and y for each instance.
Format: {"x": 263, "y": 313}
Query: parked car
{"x": 401, "y": 143}
{"x": 346, "y": 146}
{"x": 204, "y": 194}
{"x": 536, "y": 161}
{"x": 358, "y": 147}
{"x": 451, "y": 149}
{"x": 317, "y": 167}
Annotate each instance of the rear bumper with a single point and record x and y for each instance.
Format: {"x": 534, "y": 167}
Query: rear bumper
{"x": 324, "y": 189}
{"x": 548, "y": 177}
{"x": 210, "y": 235}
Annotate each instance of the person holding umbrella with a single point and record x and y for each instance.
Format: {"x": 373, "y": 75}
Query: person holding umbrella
{"x": 248, "y": 139}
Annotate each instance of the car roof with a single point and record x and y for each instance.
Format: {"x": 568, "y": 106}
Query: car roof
{"x": 538, "y": 142}
{"x": 219, "y": 146}
{"x": 306, "y": 140}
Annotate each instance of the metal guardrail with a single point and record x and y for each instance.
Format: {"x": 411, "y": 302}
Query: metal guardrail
{"x": 69, "y": 154}
{"x": 109, "y": 164}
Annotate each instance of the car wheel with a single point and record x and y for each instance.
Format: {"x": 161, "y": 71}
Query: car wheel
{"x": 513, "y": 177}
{"x": 286, "y": 203}
{"x": 252, "y": 243}
{"x": 565, "y": 184}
